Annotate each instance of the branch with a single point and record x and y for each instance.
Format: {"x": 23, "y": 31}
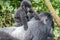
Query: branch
{"x": 57, "y": 19}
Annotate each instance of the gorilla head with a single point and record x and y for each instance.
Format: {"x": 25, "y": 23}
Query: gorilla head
{"x": 26, "y": 4}
{"x": 47, "y": 18}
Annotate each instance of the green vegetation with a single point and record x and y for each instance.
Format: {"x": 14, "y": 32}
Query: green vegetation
{"x": 8, "y": 8}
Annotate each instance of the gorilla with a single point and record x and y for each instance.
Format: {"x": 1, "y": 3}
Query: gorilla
{"x": 38, "y": 29}
{"x": 39, "y": 26}
{"x": 21, "y": 16}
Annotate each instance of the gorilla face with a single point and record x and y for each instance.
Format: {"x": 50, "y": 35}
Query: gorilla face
{"x": 27, "y": 4}
{"x": 46, "y": 18}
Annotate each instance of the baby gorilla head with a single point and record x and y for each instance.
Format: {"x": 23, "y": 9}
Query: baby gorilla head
{"x": 27, "y": 4}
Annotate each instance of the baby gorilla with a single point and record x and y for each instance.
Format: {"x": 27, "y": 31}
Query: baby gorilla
{"x": 20, "y": 16}
{"x": 40, "y": 29}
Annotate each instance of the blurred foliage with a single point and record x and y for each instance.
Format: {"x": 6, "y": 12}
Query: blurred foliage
{"x": 8, "y": 8}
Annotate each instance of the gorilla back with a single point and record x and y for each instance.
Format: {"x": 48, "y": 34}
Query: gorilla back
{"x": 40, "y": 29}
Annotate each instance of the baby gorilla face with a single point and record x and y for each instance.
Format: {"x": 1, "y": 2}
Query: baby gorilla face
{"x": 27, "y": 4}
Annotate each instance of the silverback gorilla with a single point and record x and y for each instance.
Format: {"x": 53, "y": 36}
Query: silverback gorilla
{"x": 38, "y": 29}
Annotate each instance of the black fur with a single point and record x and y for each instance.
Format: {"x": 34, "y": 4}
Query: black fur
{"x": 20, "y": 16}
{"x": 40, "y": 29}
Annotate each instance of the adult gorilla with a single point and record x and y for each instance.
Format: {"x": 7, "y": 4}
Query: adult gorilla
{"x": 38, "y": 29}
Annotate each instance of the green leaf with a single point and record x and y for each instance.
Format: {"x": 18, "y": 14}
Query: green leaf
{"x": 36, "y": 1}
{"x": 57, "y": 11}
{"x": 1, "y": 2}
